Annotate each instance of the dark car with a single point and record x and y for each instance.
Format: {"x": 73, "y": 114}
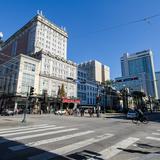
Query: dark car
{"x": 131, "y": 114}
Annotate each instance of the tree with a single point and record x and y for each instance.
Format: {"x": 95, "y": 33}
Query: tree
{"x": 62, "y": 91}
{"x": 109, "y": 91}
{"x": 109, "y": 83}
{"x": 138, "y": 98}
{"x": 125, "y": 95}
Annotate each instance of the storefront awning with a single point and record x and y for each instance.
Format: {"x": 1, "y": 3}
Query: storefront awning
{"x": 67, "y": 100}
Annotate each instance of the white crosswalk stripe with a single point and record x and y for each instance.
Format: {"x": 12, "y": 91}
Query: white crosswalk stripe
{"x": 23, "y": 127}
{"x": 46, "y": 141}
{"x": 157, "y": 134}
{"x": 45, "y": 133}
{"x": 114, "y": 150}
{"x": 68, "y": 148}
{"x": 153, "y": 138}
{"x": 26, "y": 130}
{"x": 38, "y": 135}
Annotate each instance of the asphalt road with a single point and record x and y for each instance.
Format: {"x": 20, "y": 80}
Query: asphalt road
{"x": 46, "y": 137}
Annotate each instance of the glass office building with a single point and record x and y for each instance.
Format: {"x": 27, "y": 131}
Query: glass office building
{"x": 158, "y": 83}
{"x": 141, "y": 65}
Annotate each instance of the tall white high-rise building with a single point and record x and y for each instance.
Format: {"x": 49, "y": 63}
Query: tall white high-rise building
{"x": 96, "y": 71}
{"x": 38, "y": 52}
{"x": 90, "y": 75}
{"x": 38, "y": 34}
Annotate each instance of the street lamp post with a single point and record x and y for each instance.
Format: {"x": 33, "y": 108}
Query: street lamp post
{"x": 150, "y": 103}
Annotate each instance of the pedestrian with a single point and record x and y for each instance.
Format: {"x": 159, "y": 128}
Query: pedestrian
{"x": 82, "y": 112}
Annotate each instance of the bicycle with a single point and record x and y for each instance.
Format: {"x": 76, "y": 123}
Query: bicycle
{"x": 143, "y": 120}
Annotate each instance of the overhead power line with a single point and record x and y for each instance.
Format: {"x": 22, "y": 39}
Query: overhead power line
{"x": 145, "y": 19}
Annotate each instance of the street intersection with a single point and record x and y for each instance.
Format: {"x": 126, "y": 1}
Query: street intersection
{"x": 45, "y": 137}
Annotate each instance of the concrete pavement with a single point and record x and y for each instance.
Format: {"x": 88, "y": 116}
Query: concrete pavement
{"x": 77, "y": 138}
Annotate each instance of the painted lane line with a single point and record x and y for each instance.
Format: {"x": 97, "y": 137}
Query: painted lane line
{"x": 115, "y": 149}
{"x": 21, "y": 131}
{"x": 153, "y": 138}
{"x": 38, "y": 135}
{"x": 68, "y": 148}
{"x": 46, "y": 141}
{"x": 14, "y": 128}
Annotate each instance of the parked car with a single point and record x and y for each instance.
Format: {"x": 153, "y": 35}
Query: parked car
{"x": 60, "y": 112}
{"x": 131, "y": 114}
{"x": 7, "y": 112}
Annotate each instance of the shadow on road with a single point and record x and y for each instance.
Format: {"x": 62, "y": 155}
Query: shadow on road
{"x": 7, "y": 154}
{"x": 138, "y": 151}
{"x": 85, "y": 154}
{"x": 147, "y": 146}
{"x": 24, "y": 154}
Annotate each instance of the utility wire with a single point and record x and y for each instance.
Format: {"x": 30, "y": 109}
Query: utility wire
{"x": 145, "y": 19}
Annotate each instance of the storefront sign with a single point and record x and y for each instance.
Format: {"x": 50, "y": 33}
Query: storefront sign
{"x": 65, "y": 100}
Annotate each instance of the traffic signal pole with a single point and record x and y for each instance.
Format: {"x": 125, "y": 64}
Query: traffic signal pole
{"x": 30, "y": 92}
{"x": 26, "y": 107}
{"x": 25, "y": 111}
{"x": 98, "y": 102}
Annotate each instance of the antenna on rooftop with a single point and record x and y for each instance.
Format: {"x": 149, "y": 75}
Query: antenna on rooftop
{"x": 1, "y": 35}
{"x": 41, "y": 13}
{"x": 37, "y": 11}
{"x": 1, "y": 41}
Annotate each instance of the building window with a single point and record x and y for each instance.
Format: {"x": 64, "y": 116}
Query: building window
{"x": 29, "y": 66}
{"x": 14, "y": 48}
{"x": 27, "y": 81}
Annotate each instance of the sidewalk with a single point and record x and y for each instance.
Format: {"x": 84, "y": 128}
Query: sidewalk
{"x": 31, "y": 119}
{"x": 114, "y": 115}
{"x": 7, "y": 121}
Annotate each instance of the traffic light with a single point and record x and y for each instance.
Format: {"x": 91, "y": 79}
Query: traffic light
{"x": 98, "y": 99}
{"x": 45, "y": 96}
{"x": 31, "y": 91}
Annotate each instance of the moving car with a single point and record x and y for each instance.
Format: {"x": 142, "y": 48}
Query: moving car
{"x": 131, "y": 114}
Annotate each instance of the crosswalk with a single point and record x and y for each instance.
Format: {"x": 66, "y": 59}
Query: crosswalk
{"x": 155, "y": 136}
{"x": 54, "y": 141}
{"x": 148, "y": 146}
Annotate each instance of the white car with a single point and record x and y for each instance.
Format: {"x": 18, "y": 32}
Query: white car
{"x": 7, "y": 113}
{"x": 131, "y": 114}
{"x": 60, "y": 112}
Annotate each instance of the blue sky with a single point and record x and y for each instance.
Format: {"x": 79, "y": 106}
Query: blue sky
{"x": 85, "y": 21}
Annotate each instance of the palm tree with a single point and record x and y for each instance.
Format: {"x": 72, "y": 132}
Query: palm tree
{"x": 124, "y": 93}
{"x": 138, "y": 98}
{"x": 109, "y": 91}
